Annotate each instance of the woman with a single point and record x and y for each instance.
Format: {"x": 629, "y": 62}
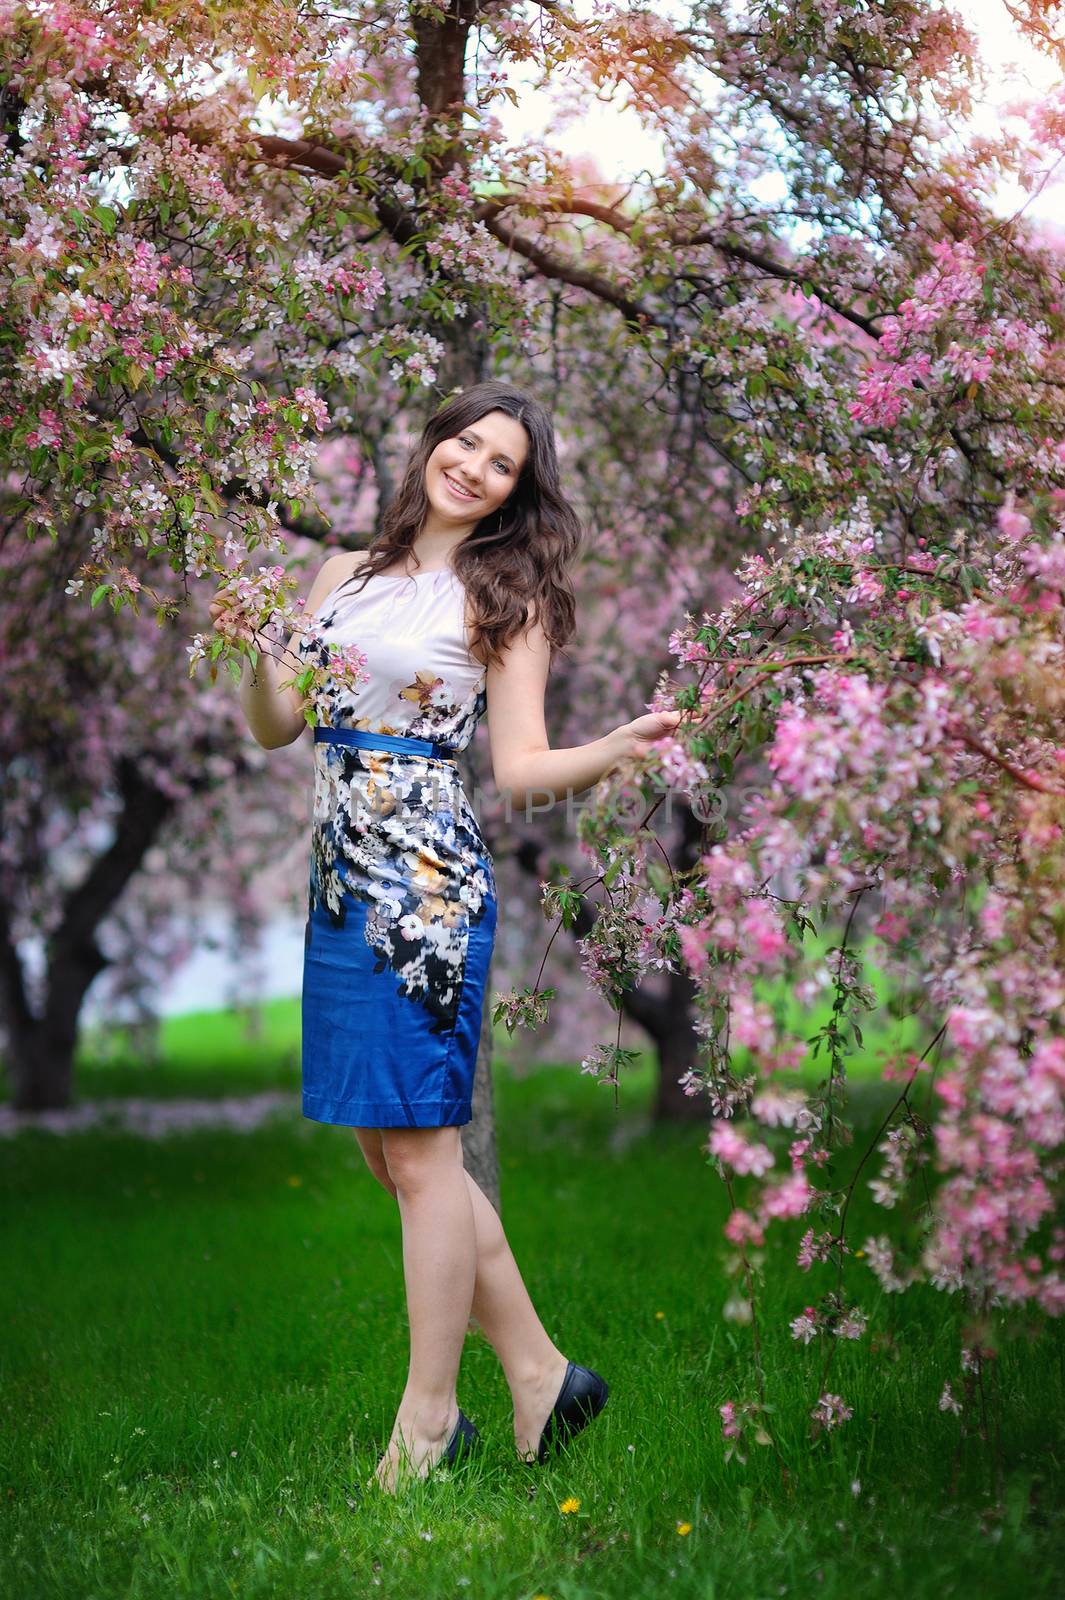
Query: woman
{"x": 457, "y": 605}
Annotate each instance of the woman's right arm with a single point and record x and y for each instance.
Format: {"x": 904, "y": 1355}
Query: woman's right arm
{"x": 275, "y": 715}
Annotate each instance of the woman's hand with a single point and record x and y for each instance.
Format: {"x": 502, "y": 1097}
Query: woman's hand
{"x": 231, "y": 620}
{"x": 636, "y": 738}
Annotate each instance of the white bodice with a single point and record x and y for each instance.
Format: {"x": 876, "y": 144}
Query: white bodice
{"x": 424, "y": 682}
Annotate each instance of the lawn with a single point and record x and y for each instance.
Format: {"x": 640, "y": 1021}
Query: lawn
{"x": 204, "y": 1342}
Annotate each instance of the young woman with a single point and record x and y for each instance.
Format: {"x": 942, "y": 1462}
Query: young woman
{"x": 457, "y": 606}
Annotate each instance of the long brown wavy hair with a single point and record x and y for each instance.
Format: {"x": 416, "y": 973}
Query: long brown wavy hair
{"x": 514, "y": 564}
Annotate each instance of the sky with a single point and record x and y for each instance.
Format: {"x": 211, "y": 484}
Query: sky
{"x": 620, "y": 146}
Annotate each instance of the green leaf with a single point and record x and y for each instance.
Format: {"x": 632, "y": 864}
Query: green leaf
{"x": 106, "y": 217}
{"x": 98, "y": 594}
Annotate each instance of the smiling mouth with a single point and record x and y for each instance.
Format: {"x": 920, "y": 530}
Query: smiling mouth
{"x": 465, "y": 493}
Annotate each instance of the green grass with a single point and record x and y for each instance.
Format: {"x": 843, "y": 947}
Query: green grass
{"x": 204, "y": 1342}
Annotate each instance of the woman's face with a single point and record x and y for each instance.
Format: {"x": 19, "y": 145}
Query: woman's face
{"x": 471, "y": 474}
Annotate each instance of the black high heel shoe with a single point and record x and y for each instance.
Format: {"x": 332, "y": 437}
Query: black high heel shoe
{"x": 465, "y": 1439}
{"x": 464, "y": 1442}
{"x": 582, "y": 1396}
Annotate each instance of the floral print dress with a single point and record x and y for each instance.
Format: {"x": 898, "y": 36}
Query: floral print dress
{"x": 402, "y": 900}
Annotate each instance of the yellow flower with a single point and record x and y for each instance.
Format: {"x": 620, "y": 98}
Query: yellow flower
{"x": 572, "y": 1504}
{"x": 659, "y": 1315}
{"x": 858, "y": 1254}
{"x": 684, "y": 1528}
{"x": 294, "y": 1182}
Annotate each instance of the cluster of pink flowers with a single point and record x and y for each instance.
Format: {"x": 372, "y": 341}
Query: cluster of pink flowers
{"x": 312, "y": 408}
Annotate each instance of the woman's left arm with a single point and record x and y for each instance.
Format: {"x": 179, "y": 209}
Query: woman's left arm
{"x": 524, "y": 766}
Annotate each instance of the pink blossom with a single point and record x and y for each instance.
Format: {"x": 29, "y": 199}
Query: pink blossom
{"x": 730, "y": 1425}
{"x": 805, "y": 1326}
{"x": 761, "y": 935}
{"x": 1013, "y": 524}
{"x": 734, "y": 1150}
{"x": 788, "y": 1198}
{"x": 830, "y": 1411}
{"x": 741, "y": 1228}
{"x": 813, "y": 1248}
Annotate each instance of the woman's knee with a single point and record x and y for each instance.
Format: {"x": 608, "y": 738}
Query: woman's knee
{"x": 415, "y": 1157}
{"x": 374, "y": 1156}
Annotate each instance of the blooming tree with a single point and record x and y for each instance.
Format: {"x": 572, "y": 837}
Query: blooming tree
{"x": 224, "y": 246}
{"x": 896, "y": 665}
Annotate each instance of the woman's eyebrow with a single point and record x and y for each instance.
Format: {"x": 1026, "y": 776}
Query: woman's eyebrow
{"x": 502, "y": 454}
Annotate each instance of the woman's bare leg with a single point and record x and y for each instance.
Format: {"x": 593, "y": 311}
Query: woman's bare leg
{"x": 439, "y": 1269}
{"x": 533, "y": 1365}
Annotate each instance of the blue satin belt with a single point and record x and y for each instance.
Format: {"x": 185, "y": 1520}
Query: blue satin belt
{"x": 434, "y": 749}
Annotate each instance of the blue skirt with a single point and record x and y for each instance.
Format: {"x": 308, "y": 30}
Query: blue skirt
{"x": 399, "y": 936}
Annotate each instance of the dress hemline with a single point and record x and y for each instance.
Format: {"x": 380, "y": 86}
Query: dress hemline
{"x": 385, "y": 1114}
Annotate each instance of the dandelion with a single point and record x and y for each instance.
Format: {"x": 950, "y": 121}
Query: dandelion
{"x": 294, "y": 1182}
{"x": 569, "y": 1506}
{"x": 659, "y": 1315}
{"x": 684, "y": 1528}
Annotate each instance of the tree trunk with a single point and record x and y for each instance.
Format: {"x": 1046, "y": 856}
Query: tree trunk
{"x": 41, "y": 1063}
{"x": 440, "y": 52}
{"x": 479, "y": 1136}
{"x": 41, "y": 1048}
{"x": 675, "y": 1041}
